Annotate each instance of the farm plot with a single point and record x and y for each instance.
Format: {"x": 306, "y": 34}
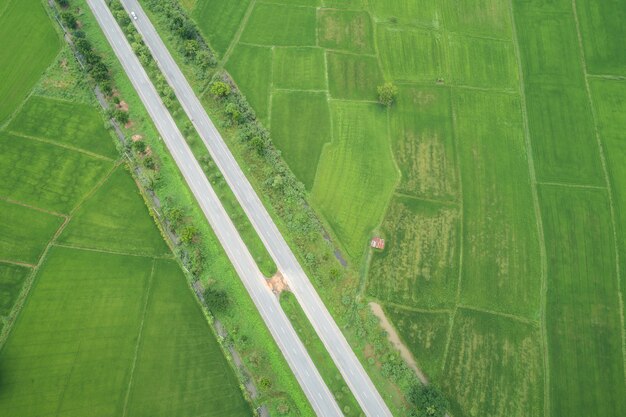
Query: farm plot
{"x": 609, "y": 97}
{"x": 422, "y": 13}
{"x": 423, "y": 142}
{"x": 493, "y": 367}
{"x": 219, "y": 21}
{"x": 353, "y": 77}
{"x": 12, "y": 279}
{"x": 25, "y": 232}
{"x": 500, "y": 241}
{"x": 45, "y": 175}
{"x": 349, "y": 193}
{"x": 297, "y": 25}
{"x": 29, "y": 43}
{"x": 425, "y": 333}
{"x": 346, "y": 30}
{"x": 65, "y": 123}
{"x": 583, "y": 317}
{"x": 299, "y": 68}
{"x": 420, "y": 264}
{"x": 300, "y": 128}
{"x": 114, "y": 218}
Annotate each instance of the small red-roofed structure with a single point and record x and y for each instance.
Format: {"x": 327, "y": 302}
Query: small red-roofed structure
{"x": 377, "y": 243}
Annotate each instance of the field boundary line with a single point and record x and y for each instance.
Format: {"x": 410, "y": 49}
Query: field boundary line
{"x": 238, "y": 33}
{"x": 22, "y": 299}
{"x": 296, "y": 90}
{"x": 414, "y": 309}
{"x": 19, "y": 203}
{"x": 112, "y": 252}
{"x": 61, "y": 145}
{"x": 139, "y": 338}
{"x": 447, "y": 203}
{"x": 69, "y": 376}
{"x": 352, "y": 100}
{"x": 534, "y": 323}
{"x": 620, "y": 296}
{"x": 18, "y": 263}
{"x": 543, "y": 295}
{"x": 562, "y": 184}
{"x": 607, "y": 77}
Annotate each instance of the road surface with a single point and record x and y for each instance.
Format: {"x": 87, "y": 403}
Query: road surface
{"x": 353, "y": 372}
{"x": 279, "y": 325}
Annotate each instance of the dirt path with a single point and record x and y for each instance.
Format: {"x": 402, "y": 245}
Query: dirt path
{"x": 395, "y": 340}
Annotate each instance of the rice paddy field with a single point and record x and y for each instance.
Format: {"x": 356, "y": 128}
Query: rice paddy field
{"x": 96, "y": 316}
{"x": 497, "y": 178}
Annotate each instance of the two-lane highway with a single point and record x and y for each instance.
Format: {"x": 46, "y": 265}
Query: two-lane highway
{"x": 279, "y": 325}
{"x": 353, "y": 372}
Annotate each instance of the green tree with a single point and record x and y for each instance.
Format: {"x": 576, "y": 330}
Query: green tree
{"x": 387, "y": 94}
{"x": 188, "y": 234}
{"x": 191, "y": 48}
{"x": 69, "y": 19}
{"x": 428, "y": 401}
{"x": 217, "y": 300}
{"x": 220, "y": 89}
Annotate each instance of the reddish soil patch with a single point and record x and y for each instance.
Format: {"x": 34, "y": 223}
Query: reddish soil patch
{"x": 277, "y": 283}
{"x": 136, "y": 138}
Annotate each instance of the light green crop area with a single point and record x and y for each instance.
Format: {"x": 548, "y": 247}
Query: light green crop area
{"x": 29, "y": 44}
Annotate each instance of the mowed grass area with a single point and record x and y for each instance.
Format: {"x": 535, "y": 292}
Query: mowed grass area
{"x": 25, "y": 232}
{"x": 114, "y": 218}
{"x": 584, "y": 327}
{"x": 69, "y": 124}
{"x": 29, "y": 44}
{"x": 352, "y": 196}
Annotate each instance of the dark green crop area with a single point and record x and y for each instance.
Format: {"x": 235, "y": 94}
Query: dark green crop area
{"x": 497, "y": 179}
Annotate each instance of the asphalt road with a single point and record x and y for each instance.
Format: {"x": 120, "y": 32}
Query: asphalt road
{"x": 266, "y": 302}
{"x": 346, "y": 361}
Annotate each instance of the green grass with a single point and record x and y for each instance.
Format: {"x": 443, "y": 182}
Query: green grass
{"x": 501, "y": 264}
{"x": 25, "y": 232}
{"x": 299, "y": 68}
{"x": 320, "y": 356}
{"x": 350, "y": 194}
{"x": 610, "y": 103}
{"x": 73, "y": 347}
{"x": 115, "y": 218}
{"x": 12, "y": 278}
{"x": 219, "y": 21}
{"x": 411, "y": 55}
{"x": 29, "y": 44}
{"x": 425, "y": 334}
{"x": 345, "y": 30}
{"x": 251, "y": 67}
{"x": 300, "y": 129}
{"x": 496, "y": 68}
{"x": 489, "y": 18}
{"x": 420, "y": 263}
{"x": 423, "y": 142}
{"x": 297, "y": 25}
{"x": 45, "y": 175}
{"x": 583, "y": 318}
{"x": 353, "y": 77}
{"x": 311, "y": 3}
{"x": 602, "y": 28}
{"x": 421, "y": 13}
{"x": 493, "y": 367}
{"x": 180, "y": 368}
{"x": 66, "y": 123}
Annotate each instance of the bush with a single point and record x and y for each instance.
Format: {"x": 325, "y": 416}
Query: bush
{"x": 217, "y": 300}
{"x": 387, "y": 94}
{"x": 220, "y": 89}
{"x": 428, "y": 401}
{"x": 69, "y": 19}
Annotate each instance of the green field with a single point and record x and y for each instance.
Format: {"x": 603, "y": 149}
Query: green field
{"x": 29, "y": 44}
{"x": 67, "y": 123}
{"x": 496, "y": 178}
{"x": 108, "y": 326}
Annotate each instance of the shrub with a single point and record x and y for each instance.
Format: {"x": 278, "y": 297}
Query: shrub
{"x": 387, "y": 94}
{"x": 217, "y": 300}
{"x": 428, "y": 401}
{"x": 220, "y": 89}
